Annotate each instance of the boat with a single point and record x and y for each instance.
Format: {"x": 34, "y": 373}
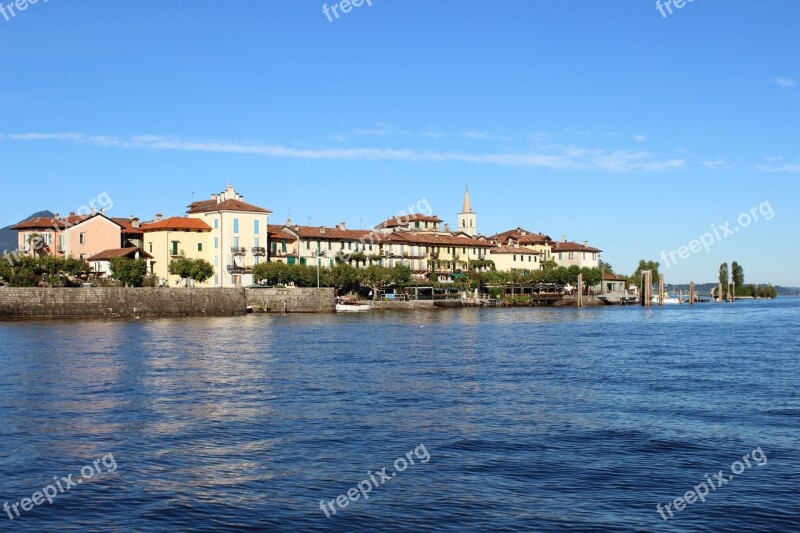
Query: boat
{"x": 349, "y": 305}
{"x": 628, "y": 297}
{"x": 668, "y": 300}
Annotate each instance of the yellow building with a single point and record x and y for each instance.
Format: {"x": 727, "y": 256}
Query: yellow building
{"x": 509, "y": 257}
{"x": 174, "y": 238}
{"x": 239, "y": 236}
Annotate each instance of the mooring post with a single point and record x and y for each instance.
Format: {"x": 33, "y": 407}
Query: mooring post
{"x": 661, "y": 289}
{"x": 580, "y": 290}
{"x": 691, "y": 293}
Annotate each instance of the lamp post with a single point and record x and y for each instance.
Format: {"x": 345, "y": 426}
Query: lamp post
{"x": 317, "y": 256}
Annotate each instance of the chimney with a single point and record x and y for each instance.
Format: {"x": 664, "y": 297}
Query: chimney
{"x": 55, "y": 216}
{"x": 159, "y": 216}
{"x": 135, "y": 222}
{"x": 72, "y": 213}
{"x": 322, "y": 231}
{"x": 342, "y": 225}
{"x": 102, "y": 210}
{"x": 447, "y": 228}
{"x": 94, "y": 211}
{"x": 586, "y": 243}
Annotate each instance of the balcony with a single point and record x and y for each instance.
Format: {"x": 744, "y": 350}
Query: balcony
{"x": 238, "y": 251}
{"x": 259, "y": 252}
{"x": 177, "y": 253}
{"x": 240, "y": 269}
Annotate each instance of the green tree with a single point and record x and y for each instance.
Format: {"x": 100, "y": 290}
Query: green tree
{"x": 342, "y": 276}
{"x": 724, "y": 277}
{"x": 653, "y": 266}
{"x": 201, "y": 271}
{"x": 181, "y": 267}
{"x": 737, "y": 274}
{"x": 376, "y": 277}
{"x": 273, "y": 273}
{"x": 129, "y": 271}
{"x": 401, "y": 275}
{"x": 591, "y": 277}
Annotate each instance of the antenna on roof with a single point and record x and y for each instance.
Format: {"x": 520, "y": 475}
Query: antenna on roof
{"x": 192, "y": 196}
{"x": 309, "y": 221}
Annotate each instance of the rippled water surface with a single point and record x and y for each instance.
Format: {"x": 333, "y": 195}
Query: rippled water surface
{"x": 533, "y": 420}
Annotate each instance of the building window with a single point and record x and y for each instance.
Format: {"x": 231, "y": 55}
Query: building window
{"x": 236, "y": 225}
{"x": 82, "y": 238}
{"x": 257, "y": 242}
{"x": 150, "y": 247}
{"x": 236, "y": 242}
{"x": 216, "y": 226}
{"x": 199, "y": 246}
{"x": 256, "y": 227}
{"x": 174, "y": 247}
{"x": 515, "y": 258}
{"x": 216, "y": 264}
{"x": 216, "y": 243}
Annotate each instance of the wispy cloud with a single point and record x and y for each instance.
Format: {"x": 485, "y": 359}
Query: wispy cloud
{"x": 785, "y": 168}
{"x": 474, "y": 134}
{"x": 381, "y": 129}
{"x": 556, "y": 158}
{"x": 716, "y": 164}
{"x": 640, "y": 138}
{"x": 785, "y": 82}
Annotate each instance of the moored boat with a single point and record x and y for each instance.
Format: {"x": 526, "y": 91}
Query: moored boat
{"x": 348, "y": 305}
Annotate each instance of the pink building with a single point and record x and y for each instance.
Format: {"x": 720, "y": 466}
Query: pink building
{"x": 79, "y": 236}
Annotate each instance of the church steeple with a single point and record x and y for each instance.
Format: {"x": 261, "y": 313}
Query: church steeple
{"x": 467, "y": 203}
{"x": 467, "y": 219}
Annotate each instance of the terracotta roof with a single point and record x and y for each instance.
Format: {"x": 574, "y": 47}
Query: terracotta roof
{"x": 107, "y": 255}
{"x": 507, "y": 249}
{"x": 536, "y": 238}
{"x": 573, "y": 247}
{"x": 37, "y": 223}
{"x": 333, "y": 234}
{"x": 177, "y": 224}
{"x": 276, "y": 232}
{"x": 60, "y": 223}
{"x": 405, "y": 220}
{"x": 435, "y": 239}
{"x": 212, "y": 206}
{"x": 520, "y": 234}
{"x": 613, "y": 277}
{"x": 127, "y": 225}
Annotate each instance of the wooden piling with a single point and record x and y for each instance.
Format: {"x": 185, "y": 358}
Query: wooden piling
{"x": 661, "y": 289}
{"x": 691, "y": 293}
{"x": 580, "y": 290}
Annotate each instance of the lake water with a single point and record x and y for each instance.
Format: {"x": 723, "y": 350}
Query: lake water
{"x": 530, "y": 420}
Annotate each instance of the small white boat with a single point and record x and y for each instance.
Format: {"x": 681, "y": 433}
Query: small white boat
{"x": 347, "y": 305}
{"x": 668, "y": 300}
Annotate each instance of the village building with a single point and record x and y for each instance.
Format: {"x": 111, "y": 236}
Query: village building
{"x": 174, "y": 238}
{"x": 239, "y": 236}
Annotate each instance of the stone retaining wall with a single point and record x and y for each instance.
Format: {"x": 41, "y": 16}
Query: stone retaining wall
{"x": 119, "y": 302}
{"x": 291, "y": 300}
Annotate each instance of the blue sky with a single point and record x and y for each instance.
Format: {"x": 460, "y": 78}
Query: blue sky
{"x": 601, "y": 121}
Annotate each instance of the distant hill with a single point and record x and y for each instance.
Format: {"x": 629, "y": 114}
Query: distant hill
{"x": 706, "y": 287}
{"x": 8, "y": 237}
